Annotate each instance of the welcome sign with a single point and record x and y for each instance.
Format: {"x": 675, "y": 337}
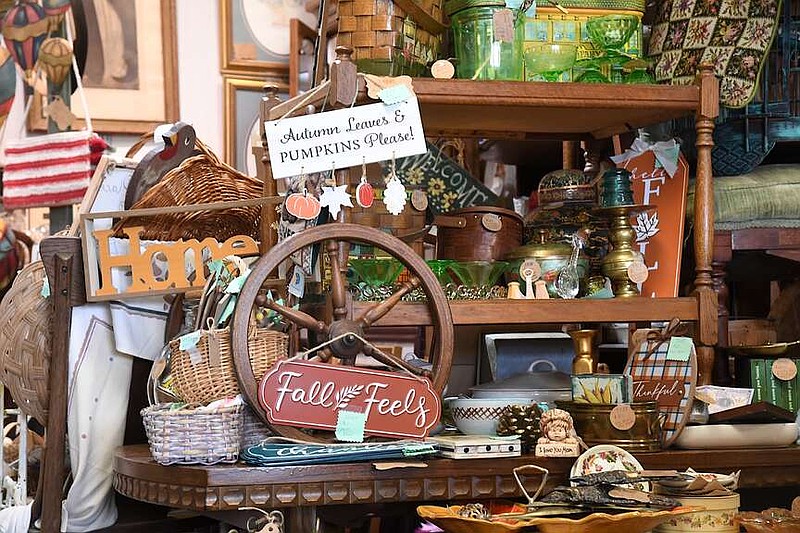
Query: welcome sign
{"x": 344, "y": 138}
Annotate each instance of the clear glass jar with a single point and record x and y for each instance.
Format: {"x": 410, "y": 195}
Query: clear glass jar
{"x": 488, "y": 39}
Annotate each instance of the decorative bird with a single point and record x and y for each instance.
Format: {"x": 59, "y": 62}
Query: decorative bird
{"x": 179, "y": 143}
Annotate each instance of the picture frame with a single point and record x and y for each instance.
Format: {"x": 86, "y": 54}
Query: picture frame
{"x": 241, "y": 101}
{"x": 301, "y": 59}
{"x": 255, "y": 34}
{"x": 145, "y": 79}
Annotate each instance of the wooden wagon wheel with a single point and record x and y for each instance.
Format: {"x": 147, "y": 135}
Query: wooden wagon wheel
{"x": 340, "y": 324}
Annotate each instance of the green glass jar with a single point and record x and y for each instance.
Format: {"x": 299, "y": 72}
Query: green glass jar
{"x": 488, "y": 39}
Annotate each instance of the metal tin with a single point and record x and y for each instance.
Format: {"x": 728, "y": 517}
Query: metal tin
{"x": 593, "y": 425}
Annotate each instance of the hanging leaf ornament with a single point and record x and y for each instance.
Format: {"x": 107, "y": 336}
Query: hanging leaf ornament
{"x": 55, "y": 59}
{"x": 8, "y": 83}
{"x": 24, "y": 30}
{"x": 55, "y": 10}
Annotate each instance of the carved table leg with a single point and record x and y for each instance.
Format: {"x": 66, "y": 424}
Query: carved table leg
{"x": 722, "y": 255}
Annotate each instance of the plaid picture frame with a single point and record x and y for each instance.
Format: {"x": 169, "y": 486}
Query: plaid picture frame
{"x": 732, "y": 35}
{"x": 654, "y": 377}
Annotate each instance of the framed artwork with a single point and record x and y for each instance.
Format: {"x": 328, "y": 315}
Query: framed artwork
{"x": 256, "y": 33}
{"x": 130, "y": 79}
{"x": 242, "y": 97}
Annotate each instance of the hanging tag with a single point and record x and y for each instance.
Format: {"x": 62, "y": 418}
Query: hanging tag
{"x": 45, "y": 292}
{"x": 443, "y": 69}
{"x": 492, "y": 222}
{"x": 395, "y": 94}
{"x": 189, "y": 340}
{"x": 213, "y": 339}
{"x": 334, "y": 198}
{"x": 638, "y": 272}
{"x": 365, "y": 194}
{"x": 680, "y": 348}
{"x": 350, "y": 426}
{"x": 302, "y": 205}
{"x": 503, "y": 24}
{"x": 784, "y": 369}
{"x": 377, "y": 84}
{"x": 58, "y": 111}
{"x": 394, "y": 197}
{"x": 297, "y": 286}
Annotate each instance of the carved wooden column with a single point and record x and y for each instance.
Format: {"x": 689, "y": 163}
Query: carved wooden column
{"x": 723, "y": 252}
{"x": 707, "y": 111}
{"x": 269, "y": 218}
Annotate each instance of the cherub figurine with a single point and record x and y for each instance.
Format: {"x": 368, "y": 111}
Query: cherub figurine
{"x": 557, "y": 438}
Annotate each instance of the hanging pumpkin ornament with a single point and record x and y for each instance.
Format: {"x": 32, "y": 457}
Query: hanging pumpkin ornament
{"x": 364, "y": 193}
{"x": 303, "y": 205}
{"x": 55, "y": 59}
{"x": 8, "y": 83}
{"x": 55, "y": 10}
{"x": 24, "y": 29}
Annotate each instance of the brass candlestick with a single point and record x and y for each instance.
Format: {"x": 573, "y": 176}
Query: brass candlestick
{"x": 622, "y": 236}
{"x": 585, "y": 360}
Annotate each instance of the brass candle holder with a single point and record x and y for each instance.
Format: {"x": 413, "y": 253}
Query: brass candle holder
{"x": 585, "y": 360}
{"x": 622, "y": 236}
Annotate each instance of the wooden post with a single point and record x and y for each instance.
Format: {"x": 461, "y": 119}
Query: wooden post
{"x": 268, "y": 214}
{"x": 344, "y": 79}
{"x": 707, "y": 111}
{"x": 53, "y": 460}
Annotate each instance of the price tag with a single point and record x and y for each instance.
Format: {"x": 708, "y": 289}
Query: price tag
{"x": 394, "y": 94}
{"x": 45, "y": 292}
{"x": 189, "y": 340}
{"x": 638, "y": 272}
{"x": 297, "y": 286}
{"x": 680, "y": 348}
{"x": 503, "y": 24}
{"x": 350, "y": 426}
{"x": 419, "y": 200}
{"x": 622, "y": 417}
{"x": 530, "y": 268}
{"x": 492, "y": 222}
{"x": 443, "y": 69}
{"x": 784, "y": 369}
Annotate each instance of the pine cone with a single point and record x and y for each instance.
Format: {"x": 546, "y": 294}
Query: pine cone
{"x": 521, "y": 421}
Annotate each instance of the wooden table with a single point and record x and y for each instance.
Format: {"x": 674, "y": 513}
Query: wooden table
{"x": 229, "y": 487}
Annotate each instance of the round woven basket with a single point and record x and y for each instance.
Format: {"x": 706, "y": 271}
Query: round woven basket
{"x": 25, "y": 342}
{"x": 204, "y": 372}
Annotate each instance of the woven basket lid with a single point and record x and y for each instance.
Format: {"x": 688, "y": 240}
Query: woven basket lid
{"x": 25, "y": 342}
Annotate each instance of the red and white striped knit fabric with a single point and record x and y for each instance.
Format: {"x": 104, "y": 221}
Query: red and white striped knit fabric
{"x": 47, "y": 170}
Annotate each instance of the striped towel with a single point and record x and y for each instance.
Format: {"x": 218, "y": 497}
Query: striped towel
{"x": 47, "y": 170}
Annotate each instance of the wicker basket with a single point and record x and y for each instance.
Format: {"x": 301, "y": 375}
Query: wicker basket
{"x": 205, "y": 372}
{"x": 391, "y": 37}
{"x": 254, "y": 431}
{"x": 200, "y": 179}
{"x": 188, "y": 436}
{"x": 25, "y": 342}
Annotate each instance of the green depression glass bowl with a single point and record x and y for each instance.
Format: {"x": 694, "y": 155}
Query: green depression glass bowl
{"x": 549, "y": 60}
{"x": 611, "y": 32}
{"x": 478, "y": 273}
{"x": 441, "y": 269}
{"x": 376, "y": 272}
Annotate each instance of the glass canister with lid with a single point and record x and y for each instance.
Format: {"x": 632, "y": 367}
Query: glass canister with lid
{"x": 488, "y": 39}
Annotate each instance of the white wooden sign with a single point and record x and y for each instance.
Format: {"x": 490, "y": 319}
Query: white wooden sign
{"x": 344, "y": 138}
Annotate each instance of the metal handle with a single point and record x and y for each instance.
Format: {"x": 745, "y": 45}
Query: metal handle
{"x": 546, "y": 362}
{"x": 545, "y": 472}
{"x": 450, "y": 221}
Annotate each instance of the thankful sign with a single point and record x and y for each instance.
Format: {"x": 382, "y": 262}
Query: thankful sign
{"x": 314, "y": 395}
{"x": 344, "y": 138}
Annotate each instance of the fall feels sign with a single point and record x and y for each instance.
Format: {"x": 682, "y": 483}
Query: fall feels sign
{"x": 344, "y": 138}
{"x": 659, "y": 231}
{"x": 310, "y": 395}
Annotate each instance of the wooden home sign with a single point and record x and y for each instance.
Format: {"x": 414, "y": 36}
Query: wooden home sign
{"x": 311, "y": 395}
{"x": 157, "y": 268}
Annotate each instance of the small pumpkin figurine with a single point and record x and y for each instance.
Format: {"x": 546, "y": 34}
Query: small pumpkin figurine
{"x": 303, "y": 205}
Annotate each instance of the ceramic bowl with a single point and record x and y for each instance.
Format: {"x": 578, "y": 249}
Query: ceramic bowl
{"x": 479, "y": 416}
{"x": 716, "y": 517}
{"x": 737, "y": 436}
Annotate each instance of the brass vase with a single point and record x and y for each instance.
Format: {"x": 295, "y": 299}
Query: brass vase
{"x": 585, "y": 360}
{"x": 622, "y": 236}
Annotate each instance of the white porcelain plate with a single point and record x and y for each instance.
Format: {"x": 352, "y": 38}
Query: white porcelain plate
{"x": 604, "y": 458}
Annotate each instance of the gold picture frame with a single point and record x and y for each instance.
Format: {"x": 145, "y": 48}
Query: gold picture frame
{"x": 255, "y": 34}
{"x": 119, "y": 104}
{"x": 241, "y": 100}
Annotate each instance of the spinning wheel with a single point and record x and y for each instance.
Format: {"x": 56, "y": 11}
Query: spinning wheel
{"x": 345, "y": 331}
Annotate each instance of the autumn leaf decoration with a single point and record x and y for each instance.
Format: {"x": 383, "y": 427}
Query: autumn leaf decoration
{"x": 646, "y": 226}
{"x": 346, "y": 394}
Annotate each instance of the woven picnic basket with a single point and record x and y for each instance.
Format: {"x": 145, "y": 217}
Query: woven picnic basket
{"x": 201, "y": 179}
{"x": 26, "y": 342}
{"x": 188, "y": 435}
{"x": 391, "y": 37}
{"x": 204, "y": 372}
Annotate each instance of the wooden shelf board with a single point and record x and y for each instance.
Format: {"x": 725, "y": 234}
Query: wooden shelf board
{"x": 547, "y": 110}
{"x": 501, "y": 311}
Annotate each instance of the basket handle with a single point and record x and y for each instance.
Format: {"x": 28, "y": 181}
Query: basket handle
{"x": 545, "y": 472}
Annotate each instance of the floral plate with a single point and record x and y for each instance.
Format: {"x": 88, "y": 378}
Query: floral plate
{"x": 605, "y": 458}
{"x": 449, "y": 520}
